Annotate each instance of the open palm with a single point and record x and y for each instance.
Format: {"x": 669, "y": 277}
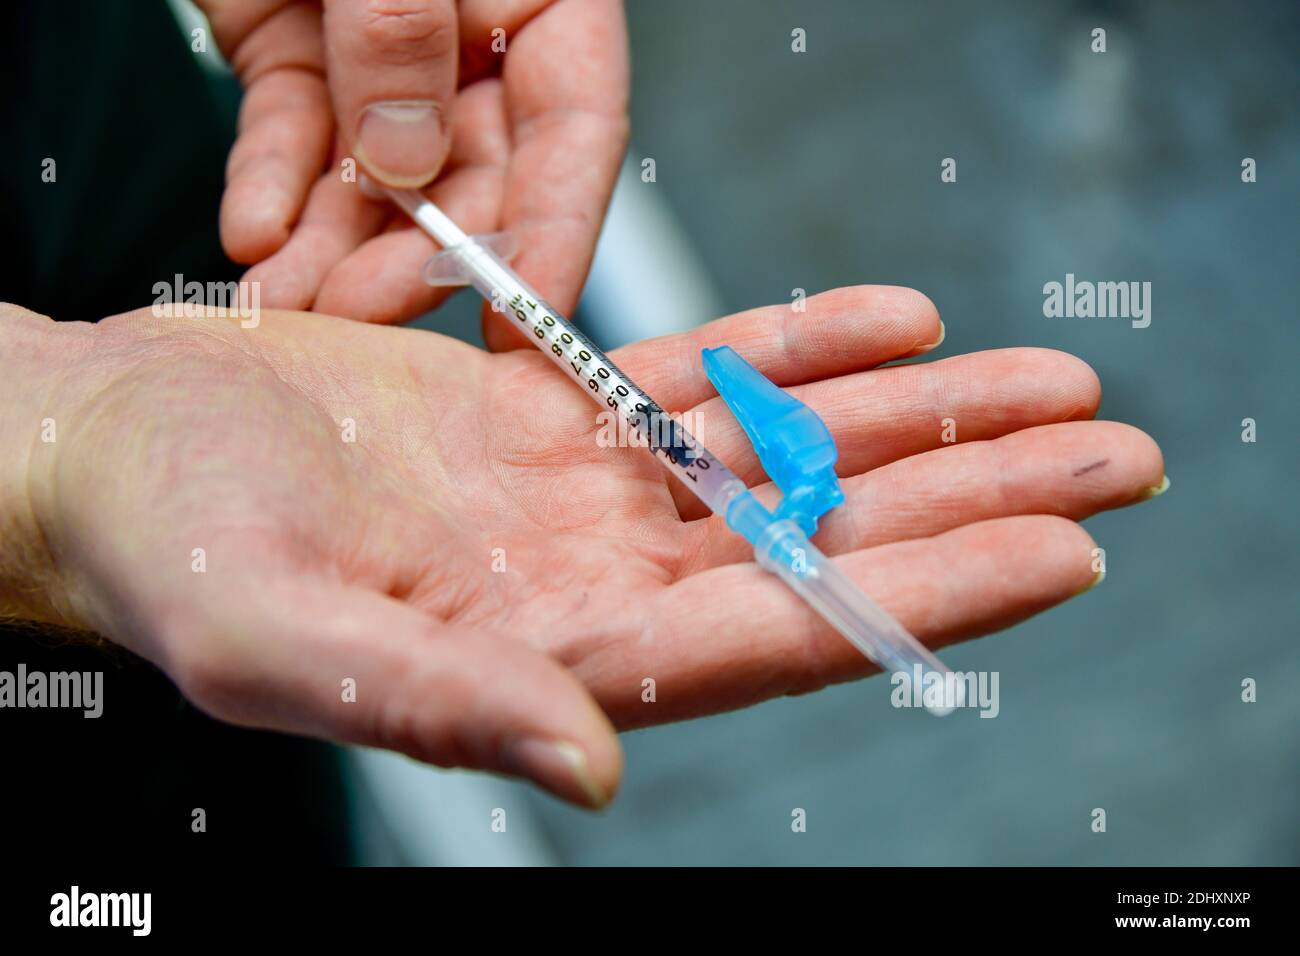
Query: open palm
{"x": 385, "y": 536}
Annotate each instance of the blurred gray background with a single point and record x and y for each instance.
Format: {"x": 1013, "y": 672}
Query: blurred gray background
{"x": 821, "y": 169}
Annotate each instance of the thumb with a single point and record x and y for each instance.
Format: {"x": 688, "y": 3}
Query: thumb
{"x": 392, "y": 74}
{"x": 354, "y": 665}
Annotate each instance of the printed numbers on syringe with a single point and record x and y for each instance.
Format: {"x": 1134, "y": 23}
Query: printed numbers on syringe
{"x": 566, "y": 341}
{"x": 640, "y": 414}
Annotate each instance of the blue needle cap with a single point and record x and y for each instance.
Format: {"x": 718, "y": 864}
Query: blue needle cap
{"x": 794, "y": 446}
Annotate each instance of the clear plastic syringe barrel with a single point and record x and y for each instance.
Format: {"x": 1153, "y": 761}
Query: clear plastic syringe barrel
{"x": 709, "y": 479}
{"x": 779, "y": 546}
{"x": 782, "y": 548}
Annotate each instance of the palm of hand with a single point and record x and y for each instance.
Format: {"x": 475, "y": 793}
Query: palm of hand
{"x": 485, "y": 574}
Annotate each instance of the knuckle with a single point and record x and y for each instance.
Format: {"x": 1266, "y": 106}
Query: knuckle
{"x": 439, "y": 733}
{"x": 399, "y": 727}
{"x": 407, "y": 31}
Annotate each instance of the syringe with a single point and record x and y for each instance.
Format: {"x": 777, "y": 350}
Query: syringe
{"x": 780, "y": 546}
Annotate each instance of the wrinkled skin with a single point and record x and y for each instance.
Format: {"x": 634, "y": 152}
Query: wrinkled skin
{"x": 531, "y": 139}
{"x": 374, "y": 559}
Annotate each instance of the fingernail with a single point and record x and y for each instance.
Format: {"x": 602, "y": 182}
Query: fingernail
{"x": 401, "y": 142}
{"x": 1157, "y": 491}
{"x": 943, "y": 332}
{"x": 557, "y": 765}
{"x": 1097, "y": 579}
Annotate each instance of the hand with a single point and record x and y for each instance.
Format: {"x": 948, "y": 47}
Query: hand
{"x": 496, "y": 584}
{"x": 527, "y": 140}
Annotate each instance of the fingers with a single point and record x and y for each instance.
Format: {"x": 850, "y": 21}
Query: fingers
{"x": 840, "y": 331}
{"x": 1074, "y": 470}
{"x": 336, "y": 219}
{"x": 285, "y": 120}
{"x": 285, "y": 128}
{"x": 887, "y": 414}
{"x": 353, "y": 665}
{"x": 735, "y": 635}
{"x": 336, "y": 264}
{"x": 381, "y": 281}
{"x": 392, "y": 73}
{"x": 565, "y": 76}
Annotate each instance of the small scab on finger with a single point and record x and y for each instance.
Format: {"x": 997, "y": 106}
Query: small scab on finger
{"x": 1093, "y": 467}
